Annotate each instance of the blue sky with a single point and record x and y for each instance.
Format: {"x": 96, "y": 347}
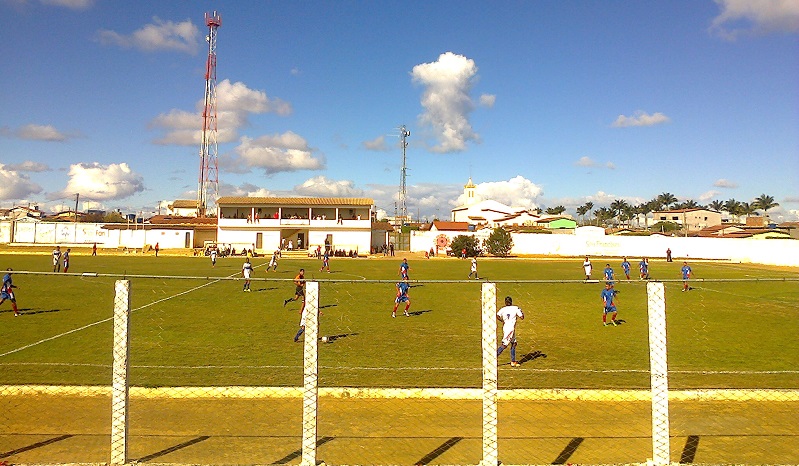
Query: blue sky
{"x": 541, "y": 103}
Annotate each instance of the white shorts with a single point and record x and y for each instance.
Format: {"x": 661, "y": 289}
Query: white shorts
{"x": 510, "y": 337}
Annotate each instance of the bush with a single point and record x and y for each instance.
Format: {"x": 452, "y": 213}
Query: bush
{"x": 499, "y": 243}
{"x": 470, "y": 243}
{"x": 664, "y": 227}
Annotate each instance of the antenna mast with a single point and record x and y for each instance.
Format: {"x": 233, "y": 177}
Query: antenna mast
{"x": 403, "y": 206}
{"x": 209, "y": 164}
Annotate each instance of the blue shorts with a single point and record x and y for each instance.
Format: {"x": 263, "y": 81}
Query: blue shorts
{"x": 610, "y": 309}
{"x": 8, "y": 296}
{"x": 401, "y": 299}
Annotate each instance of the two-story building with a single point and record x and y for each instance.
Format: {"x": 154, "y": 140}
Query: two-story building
{"x": 265, "y": 224}
{"x": 693, "y": 219}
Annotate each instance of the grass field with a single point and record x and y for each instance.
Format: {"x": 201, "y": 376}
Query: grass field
{"x": 205, "y": 331}
{"x": 736, "y": 329}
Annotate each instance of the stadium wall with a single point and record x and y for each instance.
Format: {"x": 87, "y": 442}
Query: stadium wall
{"x": 760, "y": 251}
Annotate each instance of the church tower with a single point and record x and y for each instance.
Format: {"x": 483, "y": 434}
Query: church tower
{"x": 469, "y": 192}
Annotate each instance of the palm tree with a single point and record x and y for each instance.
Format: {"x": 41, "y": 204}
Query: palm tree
{"x": 617, "y": 207}
{"x": 667, "y": 199}
{"x": 602, "y": 214}
{"x": 581, "y": 210}
{"x": 748, "y": 209}
{"x": 589, "y": 207}
{"x": 734, "y": 208}
{"x": 628, "y": 212}
{"x": 765, "y": 202}
{"x": 716, "y": 205}
{"x": 557, "y": 210}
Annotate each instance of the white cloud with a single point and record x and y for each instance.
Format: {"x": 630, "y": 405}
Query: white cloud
{"x": 640, "y": 119}
{"x": 488, "y": 100}
{"x": 28, "y": 166}
{"x": 321, "y": 186}
{"x": 377, "y": 144}
{"x": 34, "y": 132}
{"x": 97, "y": 182}
{"x": 747, "y": 17}
{"x": 159, "y": 35}
{"x": 588, "y": 162}
{"x": 72, "y": 4}
{"x": 285, "y": 152}
{"x": 516, "y": 192}
{"x": 446, "y": 100}
{"x": 725, "y": 183}
{"x": 235, "y": 101}
{"x": 709, "y": 195}
{"x": 15, "y": 185}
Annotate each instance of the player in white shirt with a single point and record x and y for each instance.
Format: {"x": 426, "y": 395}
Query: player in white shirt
{"x": 508, "y": 315}
{"x": 213, "y": 257}
{"x": 273, "y": 261}
{"x": 57, "y": 259}
{"x": 474, "y": 269}
{"x": 587, "y": 266}
{"x": 246, "y": 272}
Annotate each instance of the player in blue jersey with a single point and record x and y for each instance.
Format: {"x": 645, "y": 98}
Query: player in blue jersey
{"x": 299, "y": 288}
{"x": 625, "y": 265}
{"x": 404, "y": 268}
{"x": 608, "y": 274}
{"x": 402, "y": 297}
{"x": 643, "y": 268}
{"x": 686, "y": 275}
{"x": 508, "y": 315}
{"x": 326, "y": 261}
{"x": 608, "y": 301}
{"x": 66, "y": 260}
{"x": 7, "y": 292}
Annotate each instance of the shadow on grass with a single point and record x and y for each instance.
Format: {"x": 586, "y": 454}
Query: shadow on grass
{"x": 30, "y": 311}
{"x": 418, "y": 313}
{"x": 177, "y": 447}
{"x": 532, "y": 356}
{"x": 333, "y": 338}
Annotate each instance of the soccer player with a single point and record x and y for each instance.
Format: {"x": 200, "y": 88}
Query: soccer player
{"x": 474, "y": 269}
{"x": 303, "y": 315}
{"x": 402, "y": 297}
{"x": 213, "y": 257}
{"x": 508, "y": 315}
{"x": 57, "y": 259}
{"x": 643, "y": 268}
{"x": 608, "y": 273}
{"x": 686, "y": 275}
{"x": 587, "y": 267}
{"x": 299, "y": 290}
{"x": 66, "y": 260}
{"x": 246, "y": 271}
{"x": 273, "y": 261}
{"x": 326, "y": 261}
{"x": 7, "y": 292}
{"x": 625, "y": 265}
{"x": 608, "y": 301}
{"x": 404, "y": 268}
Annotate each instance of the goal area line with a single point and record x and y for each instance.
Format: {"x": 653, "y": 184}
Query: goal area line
{"x": 525, "y": 394}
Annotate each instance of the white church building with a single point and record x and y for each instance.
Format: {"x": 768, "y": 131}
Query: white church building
{"x": 488, "y": 212}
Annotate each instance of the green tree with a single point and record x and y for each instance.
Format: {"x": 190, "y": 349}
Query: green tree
{"x": 499, "y": 243}
{"x": 765, "y": 202}
{"x": 581, "y": 211}
{"x": 716, "y": 205}
{"x": 468, "y": 242}
{"x": 667, "y": 199}
{"x": 589, "y": 207}
{"x": 557, "y": 210}
{"x": 733, "y": 207}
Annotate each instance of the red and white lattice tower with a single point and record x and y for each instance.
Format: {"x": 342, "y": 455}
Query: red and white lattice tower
{"x": 208, "y": 186}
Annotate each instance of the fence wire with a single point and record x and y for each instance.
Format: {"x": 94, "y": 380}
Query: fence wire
{"x": 218, "y": 375}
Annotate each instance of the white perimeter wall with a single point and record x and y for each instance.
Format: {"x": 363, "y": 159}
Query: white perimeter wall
{"x": 762, "y": 251}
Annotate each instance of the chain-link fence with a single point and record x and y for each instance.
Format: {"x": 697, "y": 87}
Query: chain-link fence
{"x": 201, "y": 372}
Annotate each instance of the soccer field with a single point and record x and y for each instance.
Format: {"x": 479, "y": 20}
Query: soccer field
{"x": 193, "y": 327}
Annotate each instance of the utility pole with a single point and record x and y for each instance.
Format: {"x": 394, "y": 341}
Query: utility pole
{"x": 403, "y": 205}
{"x": 77, "y": 196}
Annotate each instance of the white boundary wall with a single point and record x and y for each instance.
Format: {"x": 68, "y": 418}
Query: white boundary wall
{"x": 762, "y": 251}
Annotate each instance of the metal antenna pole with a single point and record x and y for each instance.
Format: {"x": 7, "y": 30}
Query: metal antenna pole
{"x": 403, "y": 206}
{"x": 209, "y": 163}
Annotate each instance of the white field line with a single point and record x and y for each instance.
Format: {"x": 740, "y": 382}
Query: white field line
{"x": 564, "y": 370}
{"x": 545, "y": 394}
{"x": 45, "y": 340}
